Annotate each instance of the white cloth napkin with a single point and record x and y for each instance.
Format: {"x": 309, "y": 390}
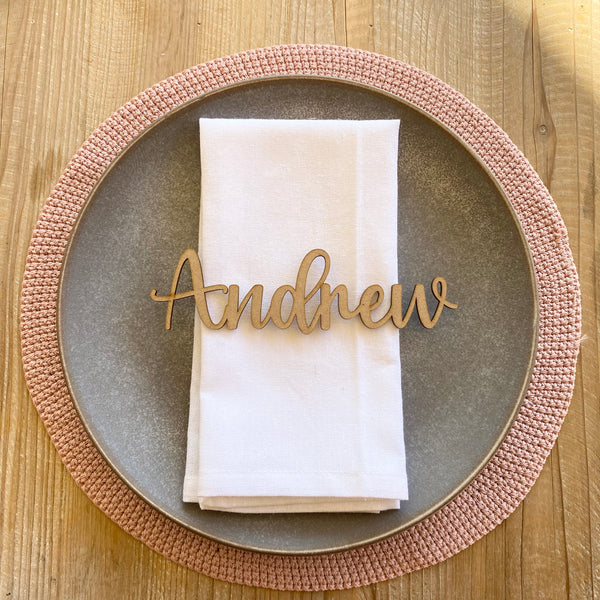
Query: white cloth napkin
{"x": 281, "y": 421}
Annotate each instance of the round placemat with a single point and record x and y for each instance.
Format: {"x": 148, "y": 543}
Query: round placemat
{"x": 485, "y": 502}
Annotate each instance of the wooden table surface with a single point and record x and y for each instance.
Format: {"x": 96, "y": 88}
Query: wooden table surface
{"x": 533, "y": 66}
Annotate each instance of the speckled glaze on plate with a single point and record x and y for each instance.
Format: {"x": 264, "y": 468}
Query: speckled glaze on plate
{"x": 463, "y": 381}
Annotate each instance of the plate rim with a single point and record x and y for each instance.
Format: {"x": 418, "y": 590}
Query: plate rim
{"x": 523, "y": 245}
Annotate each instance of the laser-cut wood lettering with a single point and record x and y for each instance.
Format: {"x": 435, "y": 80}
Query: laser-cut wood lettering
{"x": 371, "y": 299}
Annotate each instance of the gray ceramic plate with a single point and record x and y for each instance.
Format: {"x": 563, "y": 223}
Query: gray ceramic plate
{"x": 463, "y": 381}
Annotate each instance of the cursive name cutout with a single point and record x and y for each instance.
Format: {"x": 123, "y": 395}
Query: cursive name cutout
{"x": 370, "y": 300}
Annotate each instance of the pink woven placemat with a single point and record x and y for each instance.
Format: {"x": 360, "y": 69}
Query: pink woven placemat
{"x": 498, "y": 488}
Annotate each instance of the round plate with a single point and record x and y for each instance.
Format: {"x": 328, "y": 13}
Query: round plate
{"x": 462, "y": 381}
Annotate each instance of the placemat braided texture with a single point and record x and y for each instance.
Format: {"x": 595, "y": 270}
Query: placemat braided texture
{"x": 492, "y": 495}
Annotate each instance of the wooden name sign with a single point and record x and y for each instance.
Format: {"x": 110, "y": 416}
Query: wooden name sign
{"x": 370, "y": 300}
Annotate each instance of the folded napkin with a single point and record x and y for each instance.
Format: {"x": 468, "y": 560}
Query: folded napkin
{"x": 282, "y": 421}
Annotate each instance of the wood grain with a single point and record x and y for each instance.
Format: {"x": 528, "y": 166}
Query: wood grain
{"x": 533, "y": 66}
